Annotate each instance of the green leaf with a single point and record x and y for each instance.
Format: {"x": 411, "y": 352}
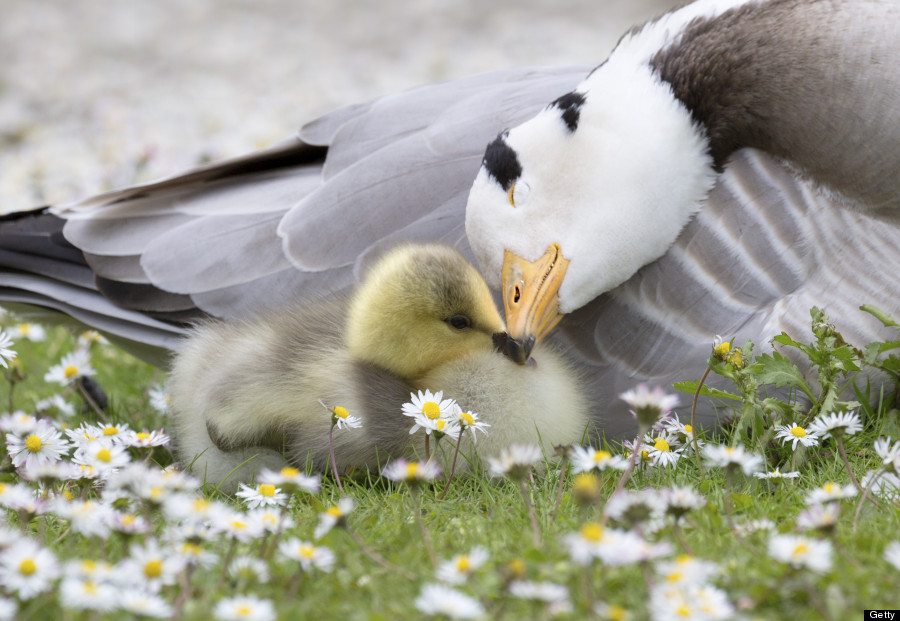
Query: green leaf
{"x": 784, "y": 339}
{"x": 706, "y": 391}
{"x": 741, "y": 501}
{"x": 779, "y": 370}
{"x": 880, "y": 315}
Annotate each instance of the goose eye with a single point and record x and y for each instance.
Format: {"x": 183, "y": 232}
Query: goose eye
{"x": 459, "y": 322}
{"x": 518, "y": 193}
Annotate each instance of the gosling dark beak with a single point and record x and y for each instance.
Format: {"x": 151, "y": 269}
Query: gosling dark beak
{"x": 519, "y": 351}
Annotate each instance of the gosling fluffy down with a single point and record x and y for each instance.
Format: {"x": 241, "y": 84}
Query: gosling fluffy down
{"x": 248, "y": 394}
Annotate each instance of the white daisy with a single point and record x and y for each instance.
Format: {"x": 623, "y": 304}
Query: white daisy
{"x": 42, "y": 445}
{"x": 55, "y": 407}
{"x": 647, "y": 405}
{"x": 249, "y": 569}
{"x": 776, "y": 474}
{"x": 819, "y": 517}
{"x": 244, "y": 608}
{"x": 883, "y": 483}
{"x": 684, "y": 432}
{"x": 795, "y": 434}
{"x": 892, "y": 554}
{"x": 309, "y": 556}
{"x": 263, "y": 495}
{"x": 87, "y": 517}
{"x": 541, "y": 591}
{"x": 85, "y": 434}
{"x": 144, "y": 439}
{"x": 8, "y": 609}
{"x": 103, "y": 458}
{"x": 32, "y": 331}
{"x": 835, "y": 424}
{"x": 585, "y": 458}
{"x": 18, "y": 422}
{"x": 334, "y": 515}
{"x": 290, "y": 479}
{"x": 239, "y": 526}
{"x": 85, "y": 594}
{"x": 693, "y": 602}
{"x": 469, "y": 420}
{"x": 438, "y": 599}
{"x": 662, "y": 450}
{"x": 160, "y": 399}
{"x": 686, "y": 570}
{"x": 27, "y": 569}
{"x": 753, "y": 526}
{"x": 889, "y": 453}
{"x": 458, "y": 569}
{"x": 411, "y": 472}
{"x": 681, "y": 500}
{"x": 272, "y": 519}
{"x": 431, "y": 412}
{"x": 150, "y": 566}
{"x": 341, "y": 418}
{"x": 89, "y": 338}
{"x": 515, "y": 461}
{"x": 829, "y": 492}
{"x": 732, "y": 457}
{"x": 72, "y": 366}
{"x": 145, "y": 604}
{"x": 633, "y": 507}
{"x": 801, "y": 552}
{"x": 6, "y": 354}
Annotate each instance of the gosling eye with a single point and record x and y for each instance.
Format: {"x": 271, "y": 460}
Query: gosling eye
{"x": 459, "y": 322}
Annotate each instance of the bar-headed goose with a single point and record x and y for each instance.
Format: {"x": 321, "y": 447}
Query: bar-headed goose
{"x": 697, "y": 182}
{"x": 248, "y": 394}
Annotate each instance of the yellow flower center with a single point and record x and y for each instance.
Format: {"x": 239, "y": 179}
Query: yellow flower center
{"x": 24, "y": 328}
{"x": 467, "y": 418}
{"x": 90, "y": 588}
{"x": 828, "y": 487}
{"x": 798, "y": 432}
{"x": 463, "y": 564}
{"x": 517, "y": 567}
{"x": 307, "y": 551}
{"x": 153, "y": 569}
{"x": 67, "y": 494}
{"x": 200, "y": 504}
{"x": 289, "y": 472}
{"x": 661, "y": 445}
{"x": 142, "y": 435}
{"x": 722, "y": 349}
{"x": 616, "y": 613}
{"x": 104, "y": 455}
{"x": 431, "y": 409}
{"x": 688, "y": 429}
{"x": 592, "y": 532}
{"x": 334, "y": 511}
{"x": 88, "y": 566}
{"x": 341, "y": 412}
{"x": 110, "y": 431}
{"x": 440, "y": 424}
{"x": 27, "y": 567}
{"x": 238, "y": 525}
{"x": 128, "y": 520}
{"x": 244, "y": 611}
{"x": 585, "y": 483}
{"x": 675, "y": 576}
{"x": 33, "y": 443}
{"x": 683, "y": 611}
{"x": 267, "y": 490}
{"x": 729, "y": 450}
{"x": 800, "y": 550}
{"x": 412, "y": 469}
{"x": 601, "y": 456}
{"x": 70, "y": 370}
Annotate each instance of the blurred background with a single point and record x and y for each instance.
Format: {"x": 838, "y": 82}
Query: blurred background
{"x": 97, "y": 94}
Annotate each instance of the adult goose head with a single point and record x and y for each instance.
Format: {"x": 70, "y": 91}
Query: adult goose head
{"x": 572, "y": 203}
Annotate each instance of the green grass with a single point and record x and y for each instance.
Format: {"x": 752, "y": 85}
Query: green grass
{"x": 480, "y": 511}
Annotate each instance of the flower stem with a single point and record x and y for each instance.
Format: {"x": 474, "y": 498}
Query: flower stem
{"x": 628, "y": 470}
{"x": 865, "y": 495}
{"x": 426, "y": 538}
{"x": 529, "y": 507}
{"x": 840, "y": 443}
{"x": 563, "y": 471}
{"x": 694, "y": 421}
{"x": 452, "y": 464}
{"x": 334, "y": 469}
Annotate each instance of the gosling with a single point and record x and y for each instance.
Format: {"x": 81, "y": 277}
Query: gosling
{"x": 249, "y": 394}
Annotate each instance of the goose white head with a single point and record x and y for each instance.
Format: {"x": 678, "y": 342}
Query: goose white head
{"x": 573, "y": 202}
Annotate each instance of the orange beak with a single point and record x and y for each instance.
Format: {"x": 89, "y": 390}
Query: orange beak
{"x": 531, "y": 299}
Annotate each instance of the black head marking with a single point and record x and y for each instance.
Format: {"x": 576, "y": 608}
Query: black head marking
{"x": 501, "y": 162}
{"x": 570, "y": 106}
